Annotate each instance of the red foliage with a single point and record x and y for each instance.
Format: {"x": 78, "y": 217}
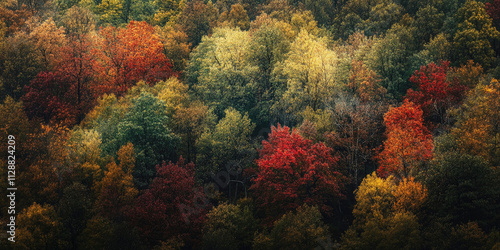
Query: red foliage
{"x": 66, "y": 93}
{"x": 157, "y": 212}
{"x": 493, "y": 10}
{"x": 408, "y": 143}
{"x": 293, "y": 171}
{"x": 128, "y": 55}
{"x": 433, "y": 92}
{"x": 50, "y": 97}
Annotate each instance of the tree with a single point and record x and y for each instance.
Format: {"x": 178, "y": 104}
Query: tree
{"x": 116, "y": 192}
{"x": 51, "y": 97}
{"x": 229, "y": 141}
{"x": 434, "y": 93}
{"x": 409, "y": 195}
{"x": 145, "y": 126}
{"x": 229, "y": 226}
{"x": 190, "y": 123}
{"x": 40, "y": 228}
{"x": 477, "y": 130}
{"x": 102, "y": 232}
{"x": 300, "y": 229}
{"x": 14, "y": 17}
{"x": 175, "y": 46}
{"x": 237, "y": 17}
{"x": 78, "y": 21}
{"x": 310, "y": 70}
{"x": 475, "y": 35}
{"x": 439, "y": 48}
{"x": 355, "y": 134}
{"x": 389, "y": 58}
{"x": 198, "y": 19}
{"x": 293, "y": 171}
{"x": 409, "y": 143}
{"x": 269, "y": 46}
{"x": 428, "y": 22}
{"x": 47, "y": 39}
{"x": 19, "y": 64}
{"x": 222, "y": 73}
{"x": 158, "y": 211}
{"x": 376, "y": 222}
{"x": 67, "y": 92}
{"x": 462, "y": 188}
{"x": 167, "y": 11}
{"x": 364, "y": 83}
{"x": 75, "y": 209}
{"x": 131, "y": 54}
{"x": 493, "y": 10}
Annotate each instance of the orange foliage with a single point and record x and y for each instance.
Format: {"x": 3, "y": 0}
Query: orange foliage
{"x": 408, "y": 143}
{"x": 409, "y": 195}
{"x": 128, "y": 55}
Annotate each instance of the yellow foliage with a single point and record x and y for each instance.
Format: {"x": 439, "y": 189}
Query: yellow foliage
{"x": 409, "y": 195}
{"x": 477, "y": 131}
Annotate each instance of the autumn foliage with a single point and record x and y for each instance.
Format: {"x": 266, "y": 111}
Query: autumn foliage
{"x": 157, "y": 211}
{"x": 155, "y": 124}
{"x": 293, "y": 171}
{"x": 434, "y": 92}
{"x": 128, "y": 55}
{"x": 408, "y": 143}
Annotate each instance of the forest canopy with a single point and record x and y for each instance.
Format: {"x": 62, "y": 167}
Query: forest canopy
{"x": 250, "y": 124}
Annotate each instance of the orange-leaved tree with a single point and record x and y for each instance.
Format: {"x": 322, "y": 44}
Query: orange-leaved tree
{"x": 408, "y": 144}
{"x": 131, "y": 54}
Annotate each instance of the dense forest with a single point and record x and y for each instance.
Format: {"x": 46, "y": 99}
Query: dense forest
{"x": 250, "y": 124}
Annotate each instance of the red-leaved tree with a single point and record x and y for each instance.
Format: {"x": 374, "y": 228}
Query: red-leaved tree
{"x": 293, "y": 171}
{"x": 433, "y": 92}
{"x": 67, "y": 92}
{"x": 158, "y": 211}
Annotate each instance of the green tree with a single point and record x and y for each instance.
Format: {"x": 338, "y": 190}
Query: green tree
{"x": 145, "y": 125}
{"x": 302, "y": 229}
{"x": 198, "y": 19}
{"x": 463, "y": 188}
{"x": 229, "y": 226}
{"x": 475, "y": 35}
{"x": 221, "y": 71}
{"x": 268, "y": 47}
{"x": 19, "y": 64}
{"x": 229, "y": 141}
{"x": 389, "y": 58}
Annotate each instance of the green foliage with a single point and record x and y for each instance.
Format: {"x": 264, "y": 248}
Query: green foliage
{"x": 475, "y": 35}
{"x": 389, "y": 58}
{"x": 145, "y": 125}
{"x": 268, "y": 47}
{"x": 222, "y": 69}
{"x": 19, "y": 64}
{"x": 229, "y": 227}
{"x": 228, "y": 141}
{"x": 302, "y": 229}
{"x": 463, "y": 188}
